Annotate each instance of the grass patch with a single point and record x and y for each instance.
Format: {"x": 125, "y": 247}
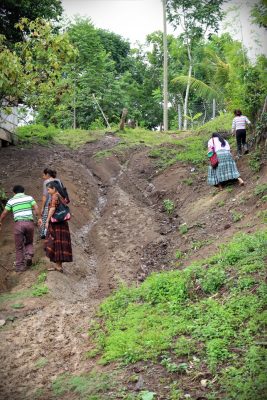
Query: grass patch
{"x": 37, "y": 290}
{"x": 222, "y": 123}
{"x": 255, "y": 161}
{"x": 39, "y": 134}
{"x": 92, "y": 386}
{"x": 261, "y": 190}
{"x": 41, "y": 362}
{"x": 213, "y": 308}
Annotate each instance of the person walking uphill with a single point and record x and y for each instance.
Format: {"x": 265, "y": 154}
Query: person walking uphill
{"x": 58, "y": 241}
{"x": 22, "y": 207}
{"x": 226, "y": 169}
{"x": 239, "y": 125}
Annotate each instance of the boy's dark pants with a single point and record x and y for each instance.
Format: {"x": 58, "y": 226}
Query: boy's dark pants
{"x": 23, "y": 233}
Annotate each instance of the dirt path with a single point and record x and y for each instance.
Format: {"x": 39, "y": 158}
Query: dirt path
{"x": 110, "y": 227}
{"x": 120, "y": 234}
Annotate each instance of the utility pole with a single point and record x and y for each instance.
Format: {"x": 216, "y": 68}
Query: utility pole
{"x": 165, "y": 69}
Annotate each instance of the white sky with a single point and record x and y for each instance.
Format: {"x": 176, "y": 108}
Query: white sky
{"x": 134, "y": 19}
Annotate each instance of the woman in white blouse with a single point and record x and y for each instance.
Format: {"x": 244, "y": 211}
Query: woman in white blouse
{"x": 226, "y": 169}
{"x": 240, "y": 123}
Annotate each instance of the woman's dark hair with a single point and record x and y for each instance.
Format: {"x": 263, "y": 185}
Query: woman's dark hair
{"x": 50, "y": 172}
{"x": 221, "y": 139}
{"x": 18, "y": 189}
{"x": 56, "y": 185}
{"x": 238, "y": 113}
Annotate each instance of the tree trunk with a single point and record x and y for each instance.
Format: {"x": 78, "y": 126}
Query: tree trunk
{"x": 123, "y": 119}
{"x": 187, "y": 86}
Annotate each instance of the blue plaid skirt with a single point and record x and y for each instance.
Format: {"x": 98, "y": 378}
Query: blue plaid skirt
{"x": 225, "y": 171}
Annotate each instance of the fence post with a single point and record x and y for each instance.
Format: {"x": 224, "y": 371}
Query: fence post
{"x": 179, "y": 117}
{"x": 213, "y": 108}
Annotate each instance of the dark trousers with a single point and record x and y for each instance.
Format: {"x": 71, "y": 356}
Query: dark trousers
{"x": 23, "y": 232}
{"x": 240, "y": 140}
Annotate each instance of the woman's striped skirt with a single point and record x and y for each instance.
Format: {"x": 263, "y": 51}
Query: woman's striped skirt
{"x": 225, "y": 171}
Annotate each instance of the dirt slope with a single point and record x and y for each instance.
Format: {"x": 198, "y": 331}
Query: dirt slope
{"x": 120, "y": 233}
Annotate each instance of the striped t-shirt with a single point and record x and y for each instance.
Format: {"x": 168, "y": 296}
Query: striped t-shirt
{"x": 21, "y": 205}
{"x": 240, "y": 122}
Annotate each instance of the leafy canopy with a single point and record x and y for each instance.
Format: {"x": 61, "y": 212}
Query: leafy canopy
{"x": 12, "y": 11}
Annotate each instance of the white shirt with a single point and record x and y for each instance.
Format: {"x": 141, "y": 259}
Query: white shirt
{"x": 240, "y": 122}
{"x": 218, "y": 145}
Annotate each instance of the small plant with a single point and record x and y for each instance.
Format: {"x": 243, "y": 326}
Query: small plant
{"x": 261, "y": 190}
{"x": 146, "y": 395}
{"x": 178, "y": 254}
{"x": 200, "y": 243}
{"x": 184, "y": 346}
{"x": 229, "y": 189}
{"x": 236, "y": 216}
{"x": 254, "y": 161}
{"x": 41, "y": 362}
{"x": 221, "y": 203}
{"x": 183, "y": 229}
{"x": 169, "y": 365}
{"x": 263, "y": 216}
{"x": 40, "y": 289}
{"x": 17, "y": 306}
{"x": 188, "y": 181}
{"x": 168, "y": 206}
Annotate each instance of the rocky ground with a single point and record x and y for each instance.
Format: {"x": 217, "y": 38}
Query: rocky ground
{"x": 120, "y": 233}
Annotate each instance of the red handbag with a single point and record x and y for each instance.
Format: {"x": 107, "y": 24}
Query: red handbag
{"x": 214, "y": 162}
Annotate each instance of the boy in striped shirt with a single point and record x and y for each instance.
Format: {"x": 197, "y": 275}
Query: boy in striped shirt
{"x": 22, "y": 207}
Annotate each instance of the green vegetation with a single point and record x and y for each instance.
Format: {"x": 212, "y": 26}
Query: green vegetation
{"x": 39, "y": 134}
{"x": 41, "y": 362}
{"x": 261, "y": 190}
{"x": 17, "y": 306}
{"x": 236, "y": 216}
{"x": 91, "y": 386}
{"x": 37, "y": 290}
{"x": 214, "y": 311}
{"x": 183, "y": 229}
{"x": 222, "y": 123}
{"x": 254, "y": 161}
{"x": 168, "y": 206}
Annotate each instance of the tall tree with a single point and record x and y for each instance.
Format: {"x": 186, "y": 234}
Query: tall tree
{"x": 196, "y": 19}
{"x": 11, "y": 11}
{"x": 38, "y": 64}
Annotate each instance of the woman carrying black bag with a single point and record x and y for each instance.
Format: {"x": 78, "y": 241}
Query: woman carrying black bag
{"x": 57, "y": 242}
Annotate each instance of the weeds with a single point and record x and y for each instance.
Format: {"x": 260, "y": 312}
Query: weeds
{"x": 254, "y": 161}
{"x": 209, "y": 309}
{"x": 37, "y": 290}
{"x": 87, "y": 386}
{"x": 41, "y": 362}
{"x": 168, "y": 206}
{"x": 261, "y": 190}
{"x": 183, "y": 229}
{"x": 236, "y": 216}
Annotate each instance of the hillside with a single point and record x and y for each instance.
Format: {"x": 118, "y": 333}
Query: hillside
{"x": 140, "y": 205}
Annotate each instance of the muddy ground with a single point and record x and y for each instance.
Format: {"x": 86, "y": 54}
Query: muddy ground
{"x": 120, "y": 233}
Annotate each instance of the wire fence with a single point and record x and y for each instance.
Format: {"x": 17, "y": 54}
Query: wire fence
{"x": 198, "y": 113}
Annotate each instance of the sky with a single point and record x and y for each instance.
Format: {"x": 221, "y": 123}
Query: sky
{"x": 134, "y": 19}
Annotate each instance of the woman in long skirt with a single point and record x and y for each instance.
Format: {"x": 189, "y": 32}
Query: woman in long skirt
{"x": 58, "y": 241}
{"x": 48, "y": 176}
{"x": 226, "y": 169}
